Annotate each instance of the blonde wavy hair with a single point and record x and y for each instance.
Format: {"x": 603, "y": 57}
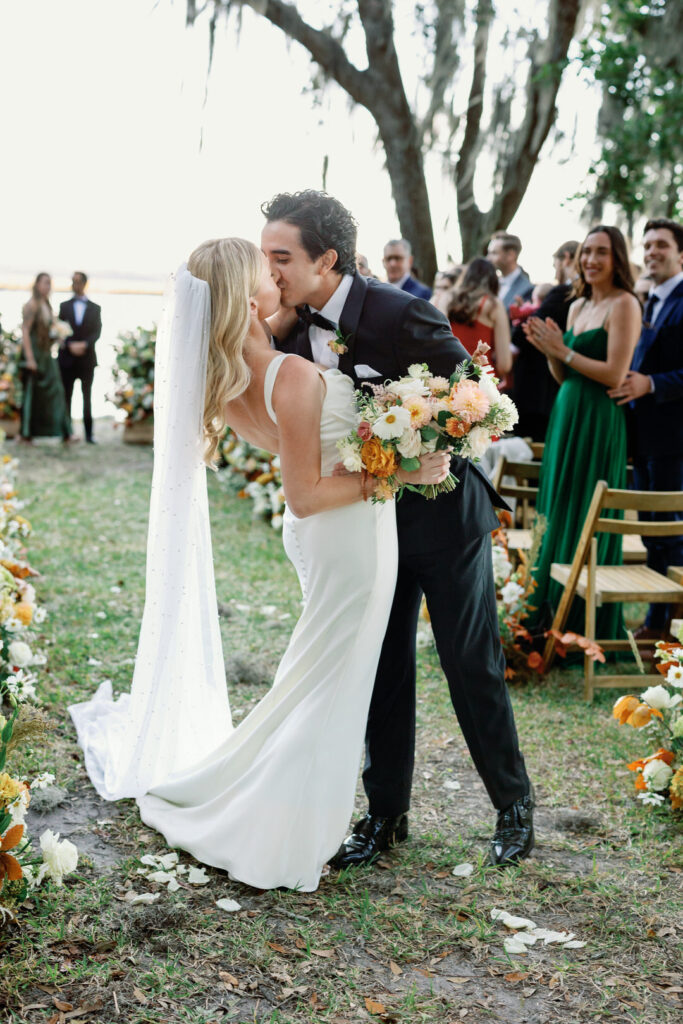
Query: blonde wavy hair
{"x": 232, "y": 268}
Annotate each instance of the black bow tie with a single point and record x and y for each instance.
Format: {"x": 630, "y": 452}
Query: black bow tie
{"x": 309, "y": 317}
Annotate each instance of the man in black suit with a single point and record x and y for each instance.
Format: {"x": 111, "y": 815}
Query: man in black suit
{"x": 398, "y": 263}
{"x": 653, "y": 388}
{"x": 534, "y": 387}
{"x": 77, "y": 358}
{"x": 444, "y": 544}
{"x": 503, "y": 251}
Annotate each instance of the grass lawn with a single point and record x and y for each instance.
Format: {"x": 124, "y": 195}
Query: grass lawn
{"x": 404, "y": 941}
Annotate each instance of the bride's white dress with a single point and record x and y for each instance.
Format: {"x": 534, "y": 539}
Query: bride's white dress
{"x": 272, "y": 803}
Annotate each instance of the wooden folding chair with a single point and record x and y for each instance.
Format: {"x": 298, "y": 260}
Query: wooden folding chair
{"x": 604, "y": 584}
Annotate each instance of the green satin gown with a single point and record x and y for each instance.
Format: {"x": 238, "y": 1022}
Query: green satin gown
{"x": 585, "y": 442}
{"x": 43, "y": 409}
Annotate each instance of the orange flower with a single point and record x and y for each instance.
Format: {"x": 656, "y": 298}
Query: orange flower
{"x": 659, "y": 755}
{"x": 456, "y": 428}
{"x": 379, "y": 461}
{"x": 24, "y": 612}
{"x": 9, "y": 865}
{"x": 535, "y": 661}
{"x": 624, "y": 708}
{"x": 676, "y": 790}
{"x": 642, "y": 715}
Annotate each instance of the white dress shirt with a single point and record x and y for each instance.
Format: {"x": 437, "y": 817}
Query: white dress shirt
{"x": 80, "y": 302}
{"x": 662, "y": 292}
{"x": 505, "y": 283}
{"x": 332, "y": 310}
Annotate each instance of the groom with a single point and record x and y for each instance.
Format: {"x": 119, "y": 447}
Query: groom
{"x": 444, "y": 544}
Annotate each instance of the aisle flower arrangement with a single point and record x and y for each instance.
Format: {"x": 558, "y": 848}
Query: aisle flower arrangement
{"x": 252, "y": 473}
{"x": 515, "y": 586}
{"x": 11, "y": 390}
{"x": 133, "y": 374}
{"x": 659, "y": 710}
{"x": 21, "y": 869}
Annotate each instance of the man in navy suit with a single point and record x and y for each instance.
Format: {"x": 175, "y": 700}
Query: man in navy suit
{"x": 76, "y": 357}
{"x": 654, "y": 390}
{"x": 444, "y": 544}
{"x": 503, "y": 252}
{"x": 398, "y": 263}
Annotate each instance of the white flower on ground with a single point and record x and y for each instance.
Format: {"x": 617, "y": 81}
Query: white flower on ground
{"x": 59, "y": 858}
{"x": 43, "y": 780}
{"x": 19, "y": 654}
{"x": 657, "y": 775}
{"x": 230, "y": 906}
{"x": 39, "y": 616}
{"x": 674, "y": 676}
{"x": 392, "y": 424}
{"x": 463, "y": 870}
{"x": 658, "y": 697}
{"x": 197, "y": 876}
{"x": 410, "y": 444}
{"x": 653, "y": 799}
{"x": 18, "y": 808}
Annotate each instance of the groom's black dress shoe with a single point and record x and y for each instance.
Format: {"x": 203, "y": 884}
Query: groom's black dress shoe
{"x": 370, "y": 837}
{"x": 514, "y": 835}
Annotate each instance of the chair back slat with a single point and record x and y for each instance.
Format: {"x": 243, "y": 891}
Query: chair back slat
{"x": 645, "y": 501}
{"x": 669, "y": 528}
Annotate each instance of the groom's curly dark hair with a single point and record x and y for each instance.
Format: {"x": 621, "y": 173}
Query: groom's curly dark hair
{"x": 323, "y": 222}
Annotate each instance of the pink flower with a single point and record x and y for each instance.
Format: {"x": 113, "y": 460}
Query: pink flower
{"x": 364, "y": 430}
{"x": 420, "y": 410}
{"x": 468, "y": 401}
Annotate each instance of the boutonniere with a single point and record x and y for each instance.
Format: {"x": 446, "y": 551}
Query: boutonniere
{"x": 338, "y": 343}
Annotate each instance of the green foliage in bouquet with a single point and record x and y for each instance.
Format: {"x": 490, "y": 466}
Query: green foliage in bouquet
{"x": 133, "y": 374}
{"x": 11, "y": 390}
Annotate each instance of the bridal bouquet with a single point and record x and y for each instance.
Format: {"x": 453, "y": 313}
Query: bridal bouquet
{"x": 60, "y": 330}
{"x": 403, "y": 419}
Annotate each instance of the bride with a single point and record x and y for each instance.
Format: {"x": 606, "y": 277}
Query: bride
{"x": 269, "y": 800}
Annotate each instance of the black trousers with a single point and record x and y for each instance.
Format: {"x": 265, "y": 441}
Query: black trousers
{"x": 660, "y": 473}
{"x": 458, "y": 585}
{"x": 70, "y": 374}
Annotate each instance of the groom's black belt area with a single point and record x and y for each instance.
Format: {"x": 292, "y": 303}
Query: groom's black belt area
{"x": 309, "y": 317}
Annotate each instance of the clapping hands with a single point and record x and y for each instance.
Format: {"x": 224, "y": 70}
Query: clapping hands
{"x": 546, "y": 336}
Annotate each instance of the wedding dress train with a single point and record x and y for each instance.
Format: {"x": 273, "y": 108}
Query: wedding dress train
{"x": 272, "y": 803}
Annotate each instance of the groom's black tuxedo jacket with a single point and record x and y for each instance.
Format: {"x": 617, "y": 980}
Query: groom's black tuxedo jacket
{"x": 388, "y": 329}
{"x": 88, "y": 330}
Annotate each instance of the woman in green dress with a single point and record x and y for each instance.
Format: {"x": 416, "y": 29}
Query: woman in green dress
{"x": 43, "y": 410}
{"x": 586, "y": 439}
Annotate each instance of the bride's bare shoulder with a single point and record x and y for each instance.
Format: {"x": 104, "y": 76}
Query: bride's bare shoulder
{"x": 297, "y": 380}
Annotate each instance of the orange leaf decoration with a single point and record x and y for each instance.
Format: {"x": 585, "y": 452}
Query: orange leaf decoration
{"x": 372, "y": 1006}
{"x": 664, "y": 666}
{"x": 12, "y": 838}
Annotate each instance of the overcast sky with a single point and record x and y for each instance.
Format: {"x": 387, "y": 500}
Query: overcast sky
{"x": 112, "y": 159}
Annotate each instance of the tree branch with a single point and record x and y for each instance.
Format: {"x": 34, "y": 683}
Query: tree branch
{"x": 471, "y": 144}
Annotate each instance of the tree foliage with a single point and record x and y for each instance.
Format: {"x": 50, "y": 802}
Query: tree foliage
{"x": 635, "y": 53}
{"x": 484, "y": 102}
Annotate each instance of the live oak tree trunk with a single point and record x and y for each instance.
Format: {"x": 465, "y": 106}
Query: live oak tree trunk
{"x": 380, "y": 89}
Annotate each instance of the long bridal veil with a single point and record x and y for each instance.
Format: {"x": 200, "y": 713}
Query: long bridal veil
{"x": 178, "y": 709}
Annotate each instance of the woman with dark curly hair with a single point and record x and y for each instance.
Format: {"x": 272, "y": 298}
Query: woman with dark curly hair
{"x": 586, "y": 439}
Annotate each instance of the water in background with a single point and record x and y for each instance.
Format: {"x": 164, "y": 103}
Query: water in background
{"x": 119, "y": 313}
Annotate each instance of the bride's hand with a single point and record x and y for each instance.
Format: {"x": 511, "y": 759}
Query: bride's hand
{"x": 281, "y": 323}
{"x": 434, "y": 468}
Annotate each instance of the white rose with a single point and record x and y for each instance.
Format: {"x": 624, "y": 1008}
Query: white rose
{"x": 407, "y": 387}
{"x": 478, "y": 442}
{"x": 19, "y": 654}
{"x": 410, "y": 444}
{"x": 657, "y": 774}
{"x": 674, "y": 676}
{"x": 351, "y": 458}
{"x": 658, "y": 697}
{"x": 487, "y": 383}
{"x": 59, "y": 858}
{"x": 511, "y": 593}
{"x": 392, "y": 423}
{"x": 418, "y": 370}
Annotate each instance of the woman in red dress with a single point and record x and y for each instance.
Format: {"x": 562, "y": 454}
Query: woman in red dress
{"x": 476, "y": 314}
